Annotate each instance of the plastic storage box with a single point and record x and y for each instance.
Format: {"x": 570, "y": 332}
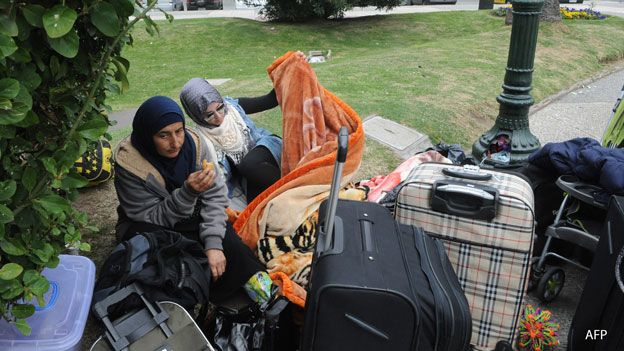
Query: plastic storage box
{"x": 59, "y": 325}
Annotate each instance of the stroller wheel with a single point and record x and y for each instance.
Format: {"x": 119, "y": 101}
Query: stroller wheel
{"x": 535, "y": 274}
{"x": 550, "y": 284}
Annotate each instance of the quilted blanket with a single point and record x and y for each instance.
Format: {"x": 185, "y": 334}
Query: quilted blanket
{"x": 312, "y": 117}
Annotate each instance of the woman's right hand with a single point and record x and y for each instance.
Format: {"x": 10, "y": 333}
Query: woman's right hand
{"x": 201, "y": 181}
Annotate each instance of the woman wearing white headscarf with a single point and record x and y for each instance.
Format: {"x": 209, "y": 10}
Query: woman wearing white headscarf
{"x": 249, "y": 156}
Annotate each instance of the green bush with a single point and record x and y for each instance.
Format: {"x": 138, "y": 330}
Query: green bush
{"x": 58, "y": 61}
{"x": 302, "y": 10}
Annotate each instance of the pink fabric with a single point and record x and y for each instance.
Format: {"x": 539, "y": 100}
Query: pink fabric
{"x": 380, "y": 185}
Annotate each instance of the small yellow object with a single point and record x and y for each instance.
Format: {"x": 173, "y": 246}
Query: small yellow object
{"x": 207, "y": 165}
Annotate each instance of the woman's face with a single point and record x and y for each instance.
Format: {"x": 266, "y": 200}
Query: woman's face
{"x": 169, "y": 140}
{"x": 215, "y": 113}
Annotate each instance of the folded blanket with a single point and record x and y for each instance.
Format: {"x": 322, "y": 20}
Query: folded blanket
{"x": 312, "y": 117}
{"x": 381, "y": 185}
{"x": 291, "y": 290}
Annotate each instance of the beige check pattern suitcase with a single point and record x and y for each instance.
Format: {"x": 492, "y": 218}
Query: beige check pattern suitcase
{"x": 491, "y": 257}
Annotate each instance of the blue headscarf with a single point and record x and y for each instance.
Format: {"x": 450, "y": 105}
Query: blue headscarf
{"x": 153, "y": 115}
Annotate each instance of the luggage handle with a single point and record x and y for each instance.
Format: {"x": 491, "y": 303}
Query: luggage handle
{"x": 467, "y": 172}
{"x": 101, "y": 310}
{"x": 341, "y": 157}
{"x": 464, "y": 200}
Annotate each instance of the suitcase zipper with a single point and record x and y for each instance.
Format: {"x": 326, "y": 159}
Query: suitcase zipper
{"x": 444, "y": 293}
{"x": 397, "y": 230}
{"x": 458, "y": 293}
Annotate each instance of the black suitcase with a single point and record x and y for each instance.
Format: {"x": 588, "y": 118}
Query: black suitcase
{"x": 380, "y": 285}
{"x": 598, "y": 323}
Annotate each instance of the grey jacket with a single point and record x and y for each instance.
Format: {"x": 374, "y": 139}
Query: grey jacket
{"x": 144, "y": 198}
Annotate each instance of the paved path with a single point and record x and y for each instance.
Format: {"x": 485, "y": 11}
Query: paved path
{"x": 583, "y": 111}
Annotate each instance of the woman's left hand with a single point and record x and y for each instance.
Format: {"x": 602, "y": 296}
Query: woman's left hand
{"x": 217, "y": 262}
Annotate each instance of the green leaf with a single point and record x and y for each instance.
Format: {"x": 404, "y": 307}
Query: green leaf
{"x": 10, "y": 271}
{"x": 29, "y": 77}
{"x": 55, "y": 66}
{"x": 6, "y": 215}
{"x": 29, "y": 178}
{"x": 44, "y": 252}
{"x": 66, "y": 45}
{"x": 23, "y": 29}
{"x": 31, "y": 119}
{"x": 21, "y": 105}
{"x": 7, "y": 189}
{"x": 150, "y": 26}
{"x": 11, "y": 290}
{"x": 40, "y": 286}
{"x": 34, "y": 14}
{"x": 93, "y": 129}
{"x": 9, "y": 88}
{"x": 30, "y": 277}
{"x": 7, "y": 132}
{"x": 21, "y": 55}
{"x": 7, "y": 46}
{"x": 121, "y": 75}
{"x": 11, "y": 248}
{"x": 50, "y": 165}
{"x": 5, "y": 104}
{"x": 85, "y": 247}
{"x": 22, "y": 310}
{"x": 53, "y": 203}
{"x": 58, "y": 21}
{"x": 125, "y": 8}
{"x": 8, "y": 26}
{"x": 104, "y": 18}
{"x": 73, "y": 181}
{"x": 23, "y": 327}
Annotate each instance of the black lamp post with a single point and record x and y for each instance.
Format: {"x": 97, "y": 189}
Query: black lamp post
{"x": 515, "y": 100}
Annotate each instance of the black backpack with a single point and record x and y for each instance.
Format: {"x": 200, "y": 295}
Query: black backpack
{"x": 169, "y": 267}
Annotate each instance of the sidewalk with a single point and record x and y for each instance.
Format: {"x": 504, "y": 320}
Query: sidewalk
{"x": 583, "y": 111}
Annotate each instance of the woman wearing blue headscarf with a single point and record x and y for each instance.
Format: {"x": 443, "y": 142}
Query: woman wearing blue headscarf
{"x": 160, "y": 183}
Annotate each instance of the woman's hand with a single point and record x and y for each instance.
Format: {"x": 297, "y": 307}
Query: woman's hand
{"x": 201, "y": 181}
{"x": 300, "y": 55}
{"x": 216, "y": 261}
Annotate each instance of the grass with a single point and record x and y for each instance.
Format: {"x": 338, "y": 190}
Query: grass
{"x": 438, "y": 73}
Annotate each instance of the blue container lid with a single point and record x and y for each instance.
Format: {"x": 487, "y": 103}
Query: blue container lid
{"x": 60, "y": 323}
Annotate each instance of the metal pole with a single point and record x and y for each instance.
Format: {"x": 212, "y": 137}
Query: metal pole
{"x": 515, "y": 100}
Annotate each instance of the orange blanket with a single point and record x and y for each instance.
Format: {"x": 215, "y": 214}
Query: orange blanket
{"x": 312, "y": 117}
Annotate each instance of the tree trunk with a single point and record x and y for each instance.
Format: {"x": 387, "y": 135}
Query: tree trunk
{"x": 550, "y": 11}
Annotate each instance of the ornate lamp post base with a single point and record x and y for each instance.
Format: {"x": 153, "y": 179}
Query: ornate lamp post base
{"x": 515, "y": 100}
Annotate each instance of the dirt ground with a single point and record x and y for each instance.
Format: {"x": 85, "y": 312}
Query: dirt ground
{"x": 100, "y": 203}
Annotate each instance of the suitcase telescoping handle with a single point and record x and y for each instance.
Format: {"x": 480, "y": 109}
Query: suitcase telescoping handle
{"x": 467, "y": 172}
{"x": 341, "y": 157}
{"x": 101, "y": 310}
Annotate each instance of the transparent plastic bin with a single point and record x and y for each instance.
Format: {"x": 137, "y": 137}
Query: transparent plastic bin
{"x": 59, "y": 325}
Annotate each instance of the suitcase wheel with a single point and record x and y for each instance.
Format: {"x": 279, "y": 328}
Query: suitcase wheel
{"x": 550, "y": 284}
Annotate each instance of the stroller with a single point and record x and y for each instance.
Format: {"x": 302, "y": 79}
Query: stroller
{"x": 548, "y": 281}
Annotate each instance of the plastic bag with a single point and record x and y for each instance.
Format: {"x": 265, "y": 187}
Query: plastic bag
{"x": 453, "y": 152}
{"x": 251, "y": 328}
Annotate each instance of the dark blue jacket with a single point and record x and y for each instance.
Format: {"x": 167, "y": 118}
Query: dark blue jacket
{"x": 586, "y": 159}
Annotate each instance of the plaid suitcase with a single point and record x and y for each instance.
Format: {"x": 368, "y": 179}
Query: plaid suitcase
{"x": 486, "y": 221}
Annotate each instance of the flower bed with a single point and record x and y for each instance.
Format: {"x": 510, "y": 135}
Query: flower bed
{"x": 586, "y": 14}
